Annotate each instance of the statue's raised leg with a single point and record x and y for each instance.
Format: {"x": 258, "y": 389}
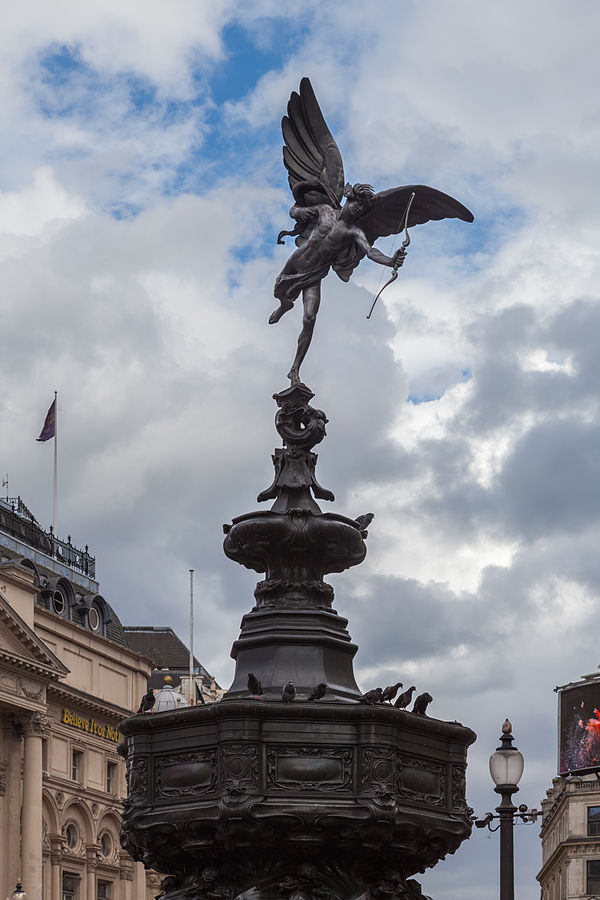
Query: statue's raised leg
{"x": 311, "y": 299}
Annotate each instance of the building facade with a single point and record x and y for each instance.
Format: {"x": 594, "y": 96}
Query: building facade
{"x": 571, "y": 839}
{"x": 171, "y": 657}
{"x": 67, "y": 678}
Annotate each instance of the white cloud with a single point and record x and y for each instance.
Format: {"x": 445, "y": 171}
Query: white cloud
{"x": 29, "y": 211}
{"x": 482, "y": 566}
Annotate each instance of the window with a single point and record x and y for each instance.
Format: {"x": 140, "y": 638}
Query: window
{"x": 106, "y": 844}
{"x": 593, "y": 876}
{"x": 94, "y": 618}
{"x": 104, "y": 892}
{"x": 58, "y": 602}
{"x": 72, "y": 836}
{"x": 44, "y": 755}
{"x": 70, "y": 886}
{"x": 77, "y": 766}
{"x": 593, "y": 820}
{"x": 111, "y": 777}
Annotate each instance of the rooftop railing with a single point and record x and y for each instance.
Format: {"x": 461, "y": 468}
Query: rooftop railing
{"x": 17, "y": 520}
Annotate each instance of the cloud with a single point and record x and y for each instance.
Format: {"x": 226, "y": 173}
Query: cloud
{"x": 137, "y": 257}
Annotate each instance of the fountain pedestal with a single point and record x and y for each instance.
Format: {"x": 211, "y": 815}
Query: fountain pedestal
{"x": 257, "y": 799}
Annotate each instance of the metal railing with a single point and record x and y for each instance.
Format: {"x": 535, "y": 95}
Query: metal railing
{"x": 17, "y": 520}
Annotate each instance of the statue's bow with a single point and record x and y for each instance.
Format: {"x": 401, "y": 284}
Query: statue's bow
{"x": 399, "y": 255}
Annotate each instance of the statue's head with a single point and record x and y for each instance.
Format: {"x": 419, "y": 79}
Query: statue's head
{"x": 361, "y": 197}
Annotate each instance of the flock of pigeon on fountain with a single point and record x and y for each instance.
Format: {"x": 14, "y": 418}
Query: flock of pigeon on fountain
{"x": 371, "y": 698}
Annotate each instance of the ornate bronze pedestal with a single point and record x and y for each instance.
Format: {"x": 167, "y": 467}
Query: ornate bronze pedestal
{"x": 258, "y": 798}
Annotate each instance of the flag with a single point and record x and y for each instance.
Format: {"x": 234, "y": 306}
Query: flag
{"x": 49, "y": 427}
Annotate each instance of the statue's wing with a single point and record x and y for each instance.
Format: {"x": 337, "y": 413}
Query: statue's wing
{"x": 310, "y": 153}
{"x": 387, "y": 215}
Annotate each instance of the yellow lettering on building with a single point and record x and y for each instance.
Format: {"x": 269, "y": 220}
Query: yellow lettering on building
{"x": 90, "y": 725}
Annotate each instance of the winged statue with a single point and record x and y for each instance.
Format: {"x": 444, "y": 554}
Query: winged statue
{"x": 330, "y": 235}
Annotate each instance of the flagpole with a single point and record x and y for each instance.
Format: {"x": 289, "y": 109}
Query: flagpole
{"x": 192, "y": 691}
{"x": 55, "y": 491}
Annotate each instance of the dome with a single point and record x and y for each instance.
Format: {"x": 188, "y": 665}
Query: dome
{"x": 168, "y": 697}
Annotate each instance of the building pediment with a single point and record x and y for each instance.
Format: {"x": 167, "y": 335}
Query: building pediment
{"x": 20, "y": 646}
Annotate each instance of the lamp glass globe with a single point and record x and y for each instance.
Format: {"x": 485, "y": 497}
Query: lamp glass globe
{"x": 506, "y": 766}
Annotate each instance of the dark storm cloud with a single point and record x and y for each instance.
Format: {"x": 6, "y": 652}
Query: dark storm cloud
{"x": 551, "y": 483}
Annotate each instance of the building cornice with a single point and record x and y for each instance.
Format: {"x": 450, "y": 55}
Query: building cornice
{"x": 572, "y": 846}
{"x": 66, "y": 693}
{"x": 29, "y": 665}
{"x": 41, "y": 657}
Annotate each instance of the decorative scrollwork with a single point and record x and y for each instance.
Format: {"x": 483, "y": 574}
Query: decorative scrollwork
{"x": 281, "y": 593}
{"x": 378, "y": 775}
{"x": 239, "y": 772}
{"x": 459, "y": 787}
{"x": 137, "y": 781}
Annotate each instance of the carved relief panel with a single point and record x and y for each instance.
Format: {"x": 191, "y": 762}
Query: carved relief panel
{"x": 186, "y": 774}
{"x": 309, "y": 768}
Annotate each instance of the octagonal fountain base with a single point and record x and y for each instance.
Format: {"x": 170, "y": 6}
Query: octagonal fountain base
{"x": 334, "y": 800}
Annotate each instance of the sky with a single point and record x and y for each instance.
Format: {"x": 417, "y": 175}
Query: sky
{"x": 141, "y": 192}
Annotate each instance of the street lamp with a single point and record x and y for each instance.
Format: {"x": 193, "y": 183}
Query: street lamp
{"x": 506, "y": 768}
{"x": 18, "y": 893}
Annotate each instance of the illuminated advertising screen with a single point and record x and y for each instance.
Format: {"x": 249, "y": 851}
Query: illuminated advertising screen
{"x": 579, "y": 728}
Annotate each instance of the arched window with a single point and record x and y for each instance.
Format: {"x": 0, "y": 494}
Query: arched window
{"x": 59, "y": 602}
{"x": 106, "y": 844}
{"x": 94, "y": 618}
{"x": 72, "y": 836}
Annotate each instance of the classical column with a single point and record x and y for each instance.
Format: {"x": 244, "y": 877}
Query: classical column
{"x": 140, "y": 882}
{"x": 31, "y": 812}
{"x": 126, "y": 881}
{"x": 91, "y": 872}
{"x": 10, "y": 857}
{"x": 55, "y": 856}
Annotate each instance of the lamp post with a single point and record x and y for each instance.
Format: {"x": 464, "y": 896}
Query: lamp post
{"x": 18, "y": 893}
{"x": 506, "y": 768}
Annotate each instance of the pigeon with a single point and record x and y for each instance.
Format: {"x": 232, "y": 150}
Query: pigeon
{"x": 288, "y": 693}
{"x": 254, "y": 685}
{"x": 390, "y": 692}
{"x": 372, "y": 697}
{"x": 317, "y": 692}
{"x": 405, "y": 698}
{"x": 421, "y": 704}
{"x": 363, "y": 523}
{"x": 148, "y": 701}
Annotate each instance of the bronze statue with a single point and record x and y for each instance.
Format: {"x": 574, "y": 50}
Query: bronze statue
{"x": 329, "y": 235}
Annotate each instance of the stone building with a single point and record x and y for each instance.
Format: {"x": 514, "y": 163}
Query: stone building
{"x": 67, "y": 677}
{"x": 171, "y": 657}
{"x": 571, "y": 839}
{"x": 571, "y": 810}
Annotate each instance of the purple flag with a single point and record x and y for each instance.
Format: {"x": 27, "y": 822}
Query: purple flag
{"x": 49, "y": 428}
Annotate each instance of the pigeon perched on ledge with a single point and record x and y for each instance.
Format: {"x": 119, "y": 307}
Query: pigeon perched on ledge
{"x": 390, "y": 692}
{"x": 288, "y": 693}
{"x": 372, "y": 697}
{"x": 405, "y": 698}
{"x": 254, "y": 685}
{"x": 317, "y": 692}
{"x": 421, "y": 704}
{"x": 148, "y": 701}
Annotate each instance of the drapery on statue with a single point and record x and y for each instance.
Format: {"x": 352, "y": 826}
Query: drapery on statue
{"x": 329, "y": 235}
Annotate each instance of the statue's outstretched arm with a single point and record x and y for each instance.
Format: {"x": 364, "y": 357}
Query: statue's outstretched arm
{"x": 376, "y": 255}
{"x": 305, "y": 217}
